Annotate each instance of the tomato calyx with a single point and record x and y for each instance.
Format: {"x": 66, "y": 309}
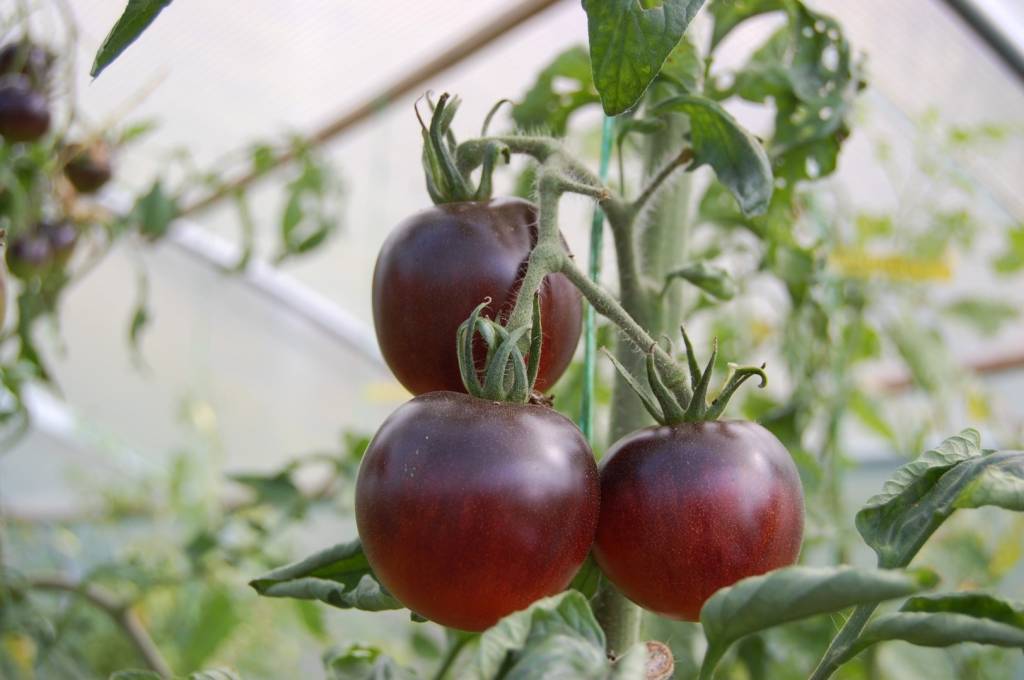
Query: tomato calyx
{"x": 447, "y": 181}
{"x": 508, "y": 375}
{"x": 670, "y": 407}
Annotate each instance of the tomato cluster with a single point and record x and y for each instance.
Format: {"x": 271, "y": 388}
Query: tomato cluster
{"x": 470, "y": 506}
{"x": 24, "y": 109}
{"x": 36, "y": 250}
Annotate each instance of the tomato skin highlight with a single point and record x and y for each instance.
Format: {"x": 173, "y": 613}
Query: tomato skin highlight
{"x": 438, "y": 265}
{"x": 469, "y": 509}
{"x": 691, "y": 508}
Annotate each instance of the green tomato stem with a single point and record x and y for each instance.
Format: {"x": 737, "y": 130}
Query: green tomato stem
{"x": 605, "y": 304}
{"x": 451, "y": 655}
{"x": 835, "y": 656}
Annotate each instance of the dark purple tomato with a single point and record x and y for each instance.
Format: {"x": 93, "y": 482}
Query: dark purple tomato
{"x": 27, "y": 59}
{"x": 29, "y": 255}
{"x": 438, "y": 265}
{"x": 87, "y": 169}
{"x": 469, "y": 509}
{"x": 24, "y": 112}
{"x": 691, "y": 508}
{"x": 62, "y": 237}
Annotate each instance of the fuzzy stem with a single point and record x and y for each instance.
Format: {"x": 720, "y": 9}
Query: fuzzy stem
{"x": 681, "y": 159}
{"x": 619, "y": 618}
{"x": 608, "y": 306}
{"x": 451, "y": 655}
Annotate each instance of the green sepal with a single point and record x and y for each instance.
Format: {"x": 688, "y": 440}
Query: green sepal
{"x": 670, "y": 407}
{"x": 646, "y": 398}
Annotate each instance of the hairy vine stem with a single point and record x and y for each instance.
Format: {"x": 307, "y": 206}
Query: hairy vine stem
{"x": 560, "y": 173}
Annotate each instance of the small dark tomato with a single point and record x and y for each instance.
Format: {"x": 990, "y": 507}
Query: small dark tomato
{"x": 438, "y": 265}
{"x": 24, "y": 112}
{"x": 62, "y": 237}
{"x": 29, "y": 255}
{"x": 691, "y": 508}
{"x": 469, "y": 509}
{"x": 28, "y": 60}
{"x": 87, "y": 168}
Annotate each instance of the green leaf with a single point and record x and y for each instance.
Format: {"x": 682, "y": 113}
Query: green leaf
{"x": 761, "y": 602}
{"x": 869, "y": 413}
{"x": 312, "y": 618}
{"x": 135, "y": 132}
{"x": 945, "y": 620}
{"x": 713, "y": 280}
{"x": 684, "y": 66}
{"x": 137, "y": 17}
{"x": 218, "y": 616}
{"x": 135, "y": 674}
{"x": 587, "y": 578}
{"x": 339, "y": 576}
{"x": 141, "y": 317}
{"x": 988, "y": 316}
{"x": 1012, "y": 258}
{"x": 807, "y": 68}
{"x": 555, "y": 637}
{"x": 363, "y": 662}
{"x": 736, "y": 156}
{"x": 728, "y": 14}
{"x": 629, "y": 42}
{"x": 923, "y": 493}
{"x": 153, "y": 212}
{"x": 215, "y": 674}
{"x": 276, "y": 489}
{"x": 561, "y": 89}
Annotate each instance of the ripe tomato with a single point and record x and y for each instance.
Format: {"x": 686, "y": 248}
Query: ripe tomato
{"x": 470, "y": 509}
{"x": 691, "y": 508}
{"x": 27, "y": 59}
{"x": 24, "y": 113}
{"x": 438, "y": 265}
{"x": 88, "y": 169}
